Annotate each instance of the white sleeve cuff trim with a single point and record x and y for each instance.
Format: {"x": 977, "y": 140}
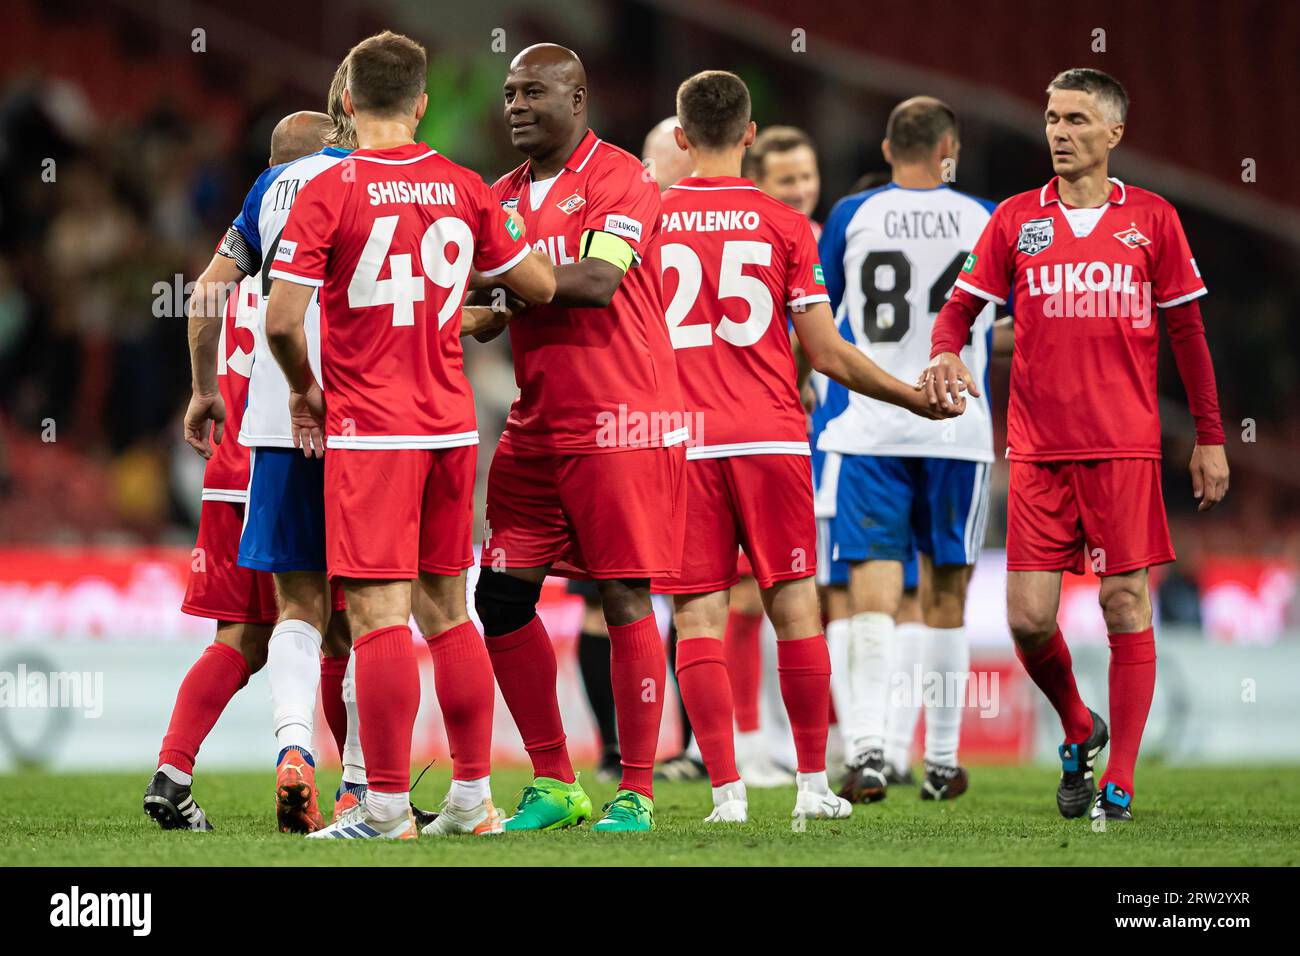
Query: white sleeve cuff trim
{"x": 300, "y": 280}
{"x": 221, "y": 494}
{"x": 1182, "y": 298}
{"x": 510, "y": 264}
{"x": 807, "y": 300}
{"x": 976, "y": 290}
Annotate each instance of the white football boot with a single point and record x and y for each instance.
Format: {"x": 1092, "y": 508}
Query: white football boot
{"x": 482, "y": 820}
{"x": 355, "y": 824}
{"x": 815, "y": 800}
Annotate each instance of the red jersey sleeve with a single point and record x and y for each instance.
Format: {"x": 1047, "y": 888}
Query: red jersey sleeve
{"x": 805, "y": 283}
{"x": 304, "y": 247}
{"x": 499, "y": 245}
{"x": 989, "y": 270}
{"x": 1175, "y": 276}
{"x": 623, "y": 204}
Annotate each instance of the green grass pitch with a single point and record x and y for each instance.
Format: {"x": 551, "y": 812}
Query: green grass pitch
{"x": 1185, "y": 816}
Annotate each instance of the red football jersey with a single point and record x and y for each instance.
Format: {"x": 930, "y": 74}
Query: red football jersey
{"x": 593, "y": 380}
{"x": 734, "y": 260}
{"x": 225, "y": 476}
{"x": 1087, "y": 283}
{"x": 390, "y": 236}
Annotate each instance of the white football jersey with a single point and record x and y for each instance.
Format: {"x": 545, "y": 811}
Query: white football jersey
{"x": 251, "y": 241}
{"x": 890, "y": 257}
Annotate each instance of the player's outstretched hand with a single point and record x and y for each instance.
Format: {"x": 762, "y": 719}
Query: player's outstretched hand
{"x": 307, "y": 420}
{"x": 921, "y": 405}
{"x": 203, "y": 409}
{"x": 1209, "y": 468}
{"x": 943, "y": 381}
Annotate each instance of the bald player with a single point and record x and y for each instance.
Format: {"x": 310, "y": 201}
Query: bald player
{"x": 588, "y": 478}
{"x": 663, "y": 157}
{"x": 241, "y": 600}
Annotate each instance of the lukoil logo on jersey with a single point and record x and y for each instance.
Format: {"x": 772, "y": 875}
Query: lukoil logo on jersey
{"x": 1091, "y": 290}
{"x": 624, "y": 226}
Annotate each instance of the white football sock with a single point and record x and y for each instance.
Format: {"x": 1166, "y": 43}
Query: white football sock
{"x": 774, "y": 720}
{"x": 387, "y": 807}
{"x": 837, "y": 643}
{"x": 947, "y": 660}
{"x": 816, "y": 782}
{"x": 870, "y": 636}
{"x": 904, "y": 692}
{"x": 354, "y": 763}
{"x": 729, "y": 791}
{"x": 468, "y": 794}
{"x": 293, "y": 667}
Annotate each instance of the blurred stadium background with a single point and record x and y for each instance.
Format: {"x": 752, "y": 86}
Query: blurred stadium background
{"x": 128, "y": 140}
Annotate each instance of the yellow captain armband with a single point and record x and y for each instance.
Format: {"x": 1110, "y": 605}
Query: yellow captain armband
{"x": 595, "y": 244}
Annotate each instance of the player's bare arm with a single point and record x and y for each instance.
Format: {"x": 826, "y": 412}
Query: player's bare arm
{"x": 285, "y": 309}
{"x": 206, "y": 307}
{"x": 590, "y": 283}
{"x": 836, "y": 358}
{"x": 483, "y": 320}
{"x": 534, "y": 279}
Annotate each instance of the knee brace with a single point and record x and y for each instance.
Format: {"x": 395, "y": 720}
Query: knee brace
{"x": 504, "y": 603}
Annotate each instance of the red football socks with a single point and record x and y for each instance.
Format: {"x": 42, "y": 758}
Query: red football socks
{"x": 706, "y": 692}
{"x": 331, "y": 697}
{"x": 637, "y": 671}
{"x": 1050, "y": 667}
{"x": 207, "y": 688}
{"x": 525, "y": 668}
{"x": 388, "y": 697}
{"x": 804, "y": 666}
{"x": 462, "y": 677}
{"x": 744, "y": 666}
{"x": 1132, "y": 684}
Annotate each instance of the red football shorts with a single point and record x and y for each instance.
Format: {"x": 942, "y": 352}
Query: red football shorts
{"x": 743, "y": 566}
{"x": 763, "y": 503}
{"x": 218, "y": 587}
{"x": 617, "y": 514}
{"x": 1107, "y": 514}
{"x": 391, "y": 513}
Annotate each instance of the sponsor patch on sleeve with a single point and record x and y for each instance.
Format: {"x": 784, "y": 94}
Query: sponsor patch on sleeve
{"x": 818, "y": 275}
{"x": 512, "y": 229}
{"x": 285, "y": 250}
{"x": 969, "y": 264}
{"x": 624, "y": 226}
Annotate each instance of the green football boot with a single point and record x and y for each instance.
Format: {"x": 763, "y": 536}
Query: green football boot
{"x": 550, "y": 804}
{"x": 628, "y": 812}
